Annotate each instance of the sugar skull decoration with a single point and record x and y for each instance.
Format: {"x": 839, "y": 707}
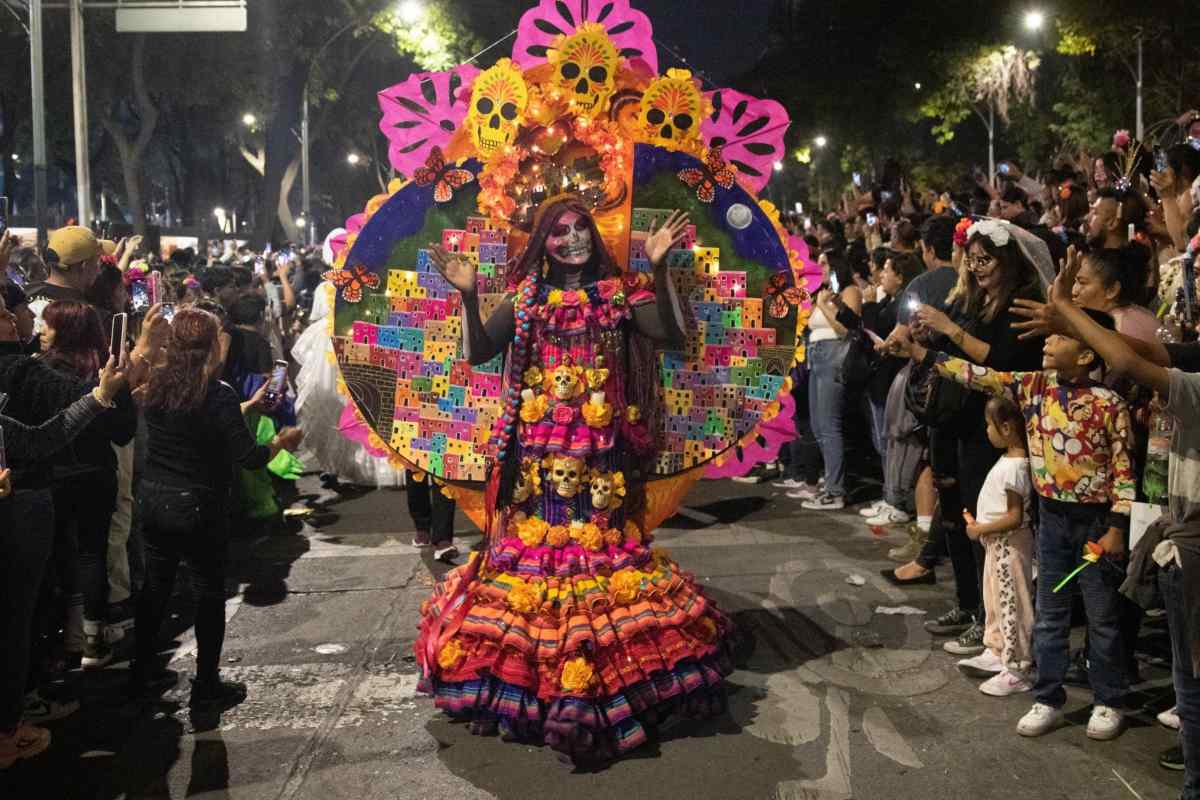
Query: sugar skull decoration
{"x": 585, "y": 68}
{"x": 671, "y": 110}
{"x": 566, "y": 475}
{"x": 607, "y": 489}
{"x": 564, "y": 382}
{"x": 570, "y": 240}
{"x": 498, "y": 102}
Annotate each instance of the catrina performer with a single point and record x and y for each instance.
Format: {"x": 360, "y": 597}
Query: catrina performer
{"x": 570, "y": 629}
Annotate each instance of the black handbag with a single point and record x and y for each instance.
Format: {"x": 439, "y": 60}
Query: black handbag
{"x": 860, "y": 362}
{"x": 935, "y": 401}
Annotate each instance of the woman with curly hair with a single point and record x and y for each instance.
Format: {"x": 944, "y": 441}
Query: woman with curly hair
{"x": 197, "y": 434}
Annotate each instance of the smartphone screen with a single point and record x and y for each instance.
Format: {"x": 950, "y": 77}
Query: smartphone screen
{"x": 139, "y": 295}
{"x": 116, "y": 343}
{"x": 1160, "y": 160}
{"x": 277, "y": 381}
{"x": 3, "y": 214}
{"x": 168, "y": 311}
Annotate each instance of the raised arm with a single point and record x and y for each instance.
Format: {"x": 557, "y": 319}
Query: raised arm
{"x": 481, "y": 341}
{"x": 664, "y": 320}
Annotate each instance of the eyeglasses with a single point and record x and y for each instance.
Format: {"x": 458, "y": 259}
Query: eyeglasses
{"x": 979, "y": 263}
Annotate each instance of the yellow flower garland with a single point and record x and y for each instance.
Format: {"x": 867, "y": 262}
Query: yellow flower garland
{"x": 450, "y": 655}
{"x": 577, "y": 676}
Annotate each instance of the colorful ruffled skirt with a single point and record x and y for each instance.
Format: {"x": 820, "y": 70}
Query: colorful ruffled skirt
{"x": 584, "y": 648}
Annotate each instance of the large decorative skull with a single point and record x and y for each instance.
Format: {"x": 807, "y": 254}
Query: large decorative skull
{"x": 585, "y": 68}
{"x": 498, "y": 102}
{"x": 566, "y": 473}
{"x": 602, "y": 490}
{"x": 671, "y": 110}
{"x": 565, "y": 383}
{"x": 570, "y": 240}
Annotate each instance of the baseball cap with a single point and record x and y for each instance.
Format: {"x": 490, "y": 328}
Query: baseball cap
{"x": 71, "y": 245}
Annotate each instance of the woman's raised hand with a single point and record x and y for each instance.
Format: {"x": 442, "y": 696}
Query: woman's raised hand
{"x": 458, "y": 271}
{"x": 663, "y": 239}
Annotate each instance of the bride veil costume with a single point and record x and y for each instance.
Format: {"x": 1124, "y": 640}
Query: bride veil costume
{"x": 573, "y": 444}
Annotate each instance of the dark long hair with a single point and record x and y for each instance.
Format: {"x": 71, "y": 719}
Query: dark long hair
{"x": 79, "y": 342}
{"x": 181, "y": 384}
{"x": 101, "y": 292}
{"x": 1019, "y": 278}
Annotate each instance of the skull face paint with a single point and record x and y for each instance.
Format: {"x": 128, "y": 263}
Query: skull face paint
{"x": 498, "y": 102}
{"x": 570, "y": 240}
{"x": 671, "y": 110}
{"x": 585, "y": 68}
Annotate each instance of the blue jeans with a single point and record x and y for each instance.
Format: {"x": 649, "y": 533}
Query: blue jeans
{"x": 1187, "y": 686}
{"x": 826, "y": 404}
{"x": 1064, "y": 528}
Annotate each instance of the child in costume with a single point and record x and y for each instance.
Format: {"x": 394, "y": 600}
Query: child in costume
{"x": 568, "y": 629}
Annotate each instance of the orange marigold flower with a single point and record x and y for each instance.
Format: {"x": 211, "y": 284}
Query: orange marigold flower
{"x": 597, "y": 415}
{"x": 525, "y": 598}
{"x": 558, "y": 536}
{"x": 613, "y": 537}
{"x": 591, "y": 537}
{"x": 577, "y": 676}
{"x": 625, "y": 585}
{"x": 632, "y": 532}
{"x": 533, "y": 410}
{"x": 450, "y": 655}
{"x": 532, "y": 531}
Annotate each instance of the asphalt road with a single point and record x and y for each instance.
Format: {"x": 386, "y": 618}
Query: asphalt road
{"x": 836, "y": 701}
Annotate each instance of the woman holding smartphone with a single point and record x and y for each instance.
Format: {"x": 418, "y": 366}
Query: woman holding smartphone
{"x": 197, "y": 434}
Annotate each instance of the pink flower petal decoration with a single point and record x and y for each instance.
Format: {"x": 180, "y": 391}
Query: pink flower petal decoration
{"x": 629, "y": 30}
{"x": 762, "y": 447}
{"x": 352, "y": 427}
{"x": 423, "y": 113}
{"x": 353, "y": 225}
{"x": 749, "y": 132}
{"x": 809, "y": 278}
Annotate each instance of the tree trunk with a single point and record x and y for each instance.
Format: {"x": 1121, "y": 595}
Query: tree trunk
{"x": 131, "y": 151}
{"x": 288, "y": 220}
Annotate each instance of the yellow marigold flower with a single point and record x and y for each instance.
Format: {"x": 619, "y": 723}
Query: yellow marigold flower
{"x": 452, "y": 652}
{"x": 577, "y": 676}
{"x": 575, "y": 530}
{"x": 625, "y": 585}
{"x": 532, "y": 531}
{"x": 555, "y": 297}
{"x": 597, "y": 415}
{"x": 533, "y": 410}
{"x": 632, "y": 414}
{"x": 632, "y": 532}
{"x": 618, "y": 479}
{"x": 558, "y": 536}
{"x": 533, "y": 377}
{"x": 581, "y": 295}
{"x": 525, "y": 598}
{"x": 613, "y": 537}
{"x": 592, "y": 537}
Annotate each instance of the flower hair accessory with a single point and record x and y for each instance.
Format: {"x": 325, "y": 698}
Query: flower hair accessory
{"x": 961, "y": 231}
{"x": 1064, "y": 190}
{"x": 1121, "y": 139}
{"x": 992, "y": 229}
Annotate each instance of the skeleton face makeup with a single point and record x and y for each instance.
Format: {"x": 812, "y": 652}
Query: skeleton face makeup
{"x": 570, "y": 240}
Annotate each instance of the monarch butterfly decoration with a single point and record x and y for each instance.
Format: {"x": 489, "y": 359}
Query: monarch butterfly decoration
{"x": 444, "y": 179}
{"x": 707, "y": 178}
{"x": 783, "y": 296}
{"x": 352, "y": 281}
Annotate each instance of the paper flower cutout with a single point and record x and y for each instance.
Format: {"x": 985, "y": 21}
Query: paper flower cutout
{"x": 352, "y": 281}
{"x": 705, "y": 179}
{"x": 423, "y": 113}
{"x": 1092, "y": 552}
{"x": 629, "y": 30}
{"x": 444, "y": 179}
{"x": 748, "y": 132}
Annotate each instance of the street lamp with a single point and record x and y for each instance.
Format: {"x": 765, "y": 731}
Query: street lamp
{"x": 917, "y": 86}
{"x": 218, "y": 212}
{"x": 1034, "y": 20}
{"x": 353, "y": 159}
{"x": 411, "y": 12}
{"x": 249, "y": 120}
{"x": 779, "y": 166}
{"x": 820, "y": 141}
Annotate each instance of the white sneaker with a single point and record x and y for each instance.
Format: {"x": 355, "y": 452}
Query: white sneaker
{"x": 1039, "y": 720}
{"x": 889, "y": 515}
{"x": 824, "y": 502}
{"x": 446, "y": 554}
{"x": 1006, "y": 683}
{"x": 789, "y": 483}
{"x": 874, "y": 508}
{"x": 1169, "y": 718}
{"x": 984, "y": 665}
{"x": 805, "y": 492}
{"x": 1105, "y": 724}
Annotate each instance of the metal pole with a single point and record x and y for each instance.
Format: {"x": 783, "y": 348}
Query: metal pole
{"x": 39, "y": 118}
{"x": 83, "y": 178}
{"x": 992, "y": 143}
{"x": 304, "y": 166}
{"x": 1140, "y": 130}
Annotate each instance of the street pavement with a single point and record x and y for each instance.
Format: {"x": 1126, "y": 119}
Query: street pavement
{"x": 836, "y": 700}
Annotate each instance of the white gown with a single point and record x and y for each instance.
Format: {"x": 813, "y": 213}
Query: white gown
{"x": 319, "y": 406}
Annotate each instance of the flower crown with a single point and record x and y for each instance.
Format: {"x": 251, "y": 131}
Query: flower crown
{"x": 994, "y": 230}
{"x": 960, "y": 231}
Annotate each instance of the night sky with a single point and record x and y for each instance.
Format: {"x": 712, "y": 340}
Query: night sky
{"x": 723, "y": 38}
